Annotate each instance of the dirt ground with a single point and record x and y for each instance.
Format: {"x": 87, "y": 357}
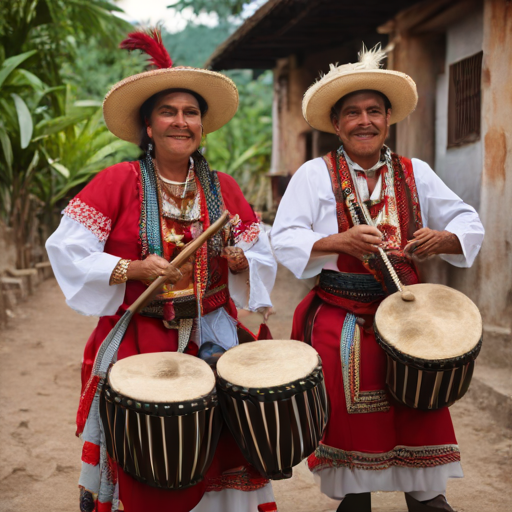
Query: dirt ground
{"x": 40, "y": 354}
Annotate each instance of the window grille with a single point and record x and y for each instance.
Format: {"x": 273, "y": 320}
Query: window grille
{"x": 464, "y": 95}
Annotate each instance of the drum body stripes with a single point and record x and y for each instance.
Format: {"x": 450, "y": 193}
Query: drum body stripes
{"x": 155, "y": 428}
{"x": 273, "y": 399}
{"x": 431, "y": 345}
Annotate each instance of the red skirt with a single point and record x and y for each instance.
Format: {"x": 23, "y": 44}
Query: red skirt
{"x": 381, "y": 433}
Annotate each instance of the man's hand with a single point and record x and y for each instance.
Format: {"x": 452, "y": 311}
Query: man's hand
{"x": 428, "y": 242}
{"x": 357, "y": 241}
{"x": 154, "y": 267}
{"x": 237, "y": 262}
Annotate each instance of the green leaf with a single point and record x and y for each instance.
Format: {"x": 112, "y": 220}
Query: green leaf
{"x": 7, "y": 147}
{"x": 61, "y": 168}
{"x": 12, "y": 63}
{"x": 24, "y": 120}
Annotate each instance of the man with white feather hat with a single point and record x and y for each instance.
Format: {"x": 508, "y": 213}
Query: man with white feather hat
{"x": 336, "y": 214}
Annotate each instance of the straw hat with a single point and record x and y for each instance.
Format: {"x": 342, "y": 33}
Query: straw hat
{"x": 121, "y": 107}
{"x": 366, "y": 74}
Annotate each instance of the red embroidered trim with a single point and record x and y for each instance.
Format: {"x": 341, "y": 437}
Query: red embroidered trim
{"x": 243, "y": 479}
{"x": 85, "y": 403}
{"x": 97, "y": 223}
{"x": 91, "y": 453}
{"x": 268, "y": 507}
{"x": 401, "y": 456}
{"x": 244, "y": 232}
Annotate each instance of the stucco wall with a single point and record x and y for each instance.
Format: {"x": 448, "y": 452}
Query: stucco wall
{"x": 496, "y": 197}
{"x": 460, "y": 168}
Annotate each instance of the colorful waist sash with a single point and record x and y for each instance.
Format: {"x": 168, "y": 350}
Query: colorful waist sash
{"x": 357, "y": 287}
{"x": 186, "y": 307}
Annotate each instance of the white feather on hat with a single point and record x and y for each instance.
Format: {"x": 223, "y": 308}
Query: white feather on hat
{"x": 366, "y": 74}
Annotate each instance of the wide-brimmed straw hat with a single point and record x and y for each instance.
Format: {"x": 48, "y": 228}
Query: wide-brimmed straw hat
{"x": 121, "y": 107}
{"x": 366, "y": 74}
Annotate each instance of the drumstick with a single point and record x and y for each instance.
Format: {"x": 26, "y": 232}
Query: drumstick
{"x": 407, "y": 295}
{"x": 182, "y": 257}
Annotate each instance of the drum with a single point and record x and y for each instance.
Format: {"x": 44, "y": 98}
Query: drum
{"x": 431, "y": 345}
{"x": 160, "y": 417}
{"x": 273, "y": 398}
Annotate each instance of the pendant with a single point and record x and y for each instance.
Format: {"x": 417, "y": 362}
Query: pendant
{"x": 174, "y": 238}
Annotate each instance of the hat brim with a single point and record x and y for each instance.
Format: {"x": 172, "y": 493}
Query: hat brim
{"x": 121, "y": 107}
{"x": 319, "y": 99}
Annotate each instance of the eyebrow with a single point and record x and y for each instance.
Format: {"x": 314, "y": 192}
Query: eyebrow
{"x": 174, "y": 107}
{"x": 348, "y": 107}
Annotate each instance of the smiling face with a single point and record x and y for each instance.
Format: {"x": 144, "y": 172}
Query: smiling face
{"x": 175, "y": 125}
{"x": 362, "y": 125}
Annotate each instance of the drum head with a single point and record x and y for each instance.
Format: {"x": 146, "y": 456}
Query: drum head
{"x": 267, "y": 363}
{"x": 162, "y": 377}
{"x": 442, "y": 323}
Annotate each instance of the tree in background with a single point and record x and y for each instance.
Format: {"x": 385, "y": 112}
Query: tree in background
{"x": 243, "y": 147}
{"x": 42, "y": 124}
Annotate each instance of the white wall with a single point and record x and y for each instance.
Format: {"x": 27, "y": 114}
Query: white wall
{"x": 461, "y": 167}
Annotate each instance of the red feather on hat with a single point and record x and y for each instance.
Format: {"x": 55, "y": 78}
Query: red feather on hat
{"x": 151, "y": 43}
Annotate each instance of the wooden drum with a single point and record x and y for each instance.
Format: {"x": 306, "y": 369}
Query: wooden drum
{"x": 160, "y": 417}
{"x": 431, "y": 345}
{"x": 274, "y": 401}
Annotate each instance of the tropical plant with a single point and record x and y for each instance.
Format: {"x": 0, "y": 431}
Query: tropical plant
{"x": 243, "y": 147}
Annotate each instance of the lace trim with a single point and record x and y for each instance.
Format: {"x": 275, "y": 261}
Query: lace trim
{"x": 97, "y": 223}
{"x": 401, "y": 456}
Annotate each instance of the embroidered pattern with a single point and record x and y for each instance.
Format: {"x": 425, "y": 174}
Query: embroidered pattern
{"x": 97, "y": 223}
{"x": 391, "y": 216}
{"x": 244, "y": 478}
{"x": 245, "y": 235}
{"x": 350, "y": 350}
{"x": 401, "y": 456}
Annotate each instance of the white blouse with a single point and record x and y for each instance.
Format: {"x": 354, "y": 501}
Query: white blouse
{"x": 83, "y": 271}
{"x": 307, "y": 213}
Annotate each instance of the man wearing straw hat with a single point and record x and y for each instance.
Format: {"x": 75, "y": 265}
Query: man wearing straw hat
{"x": 119, "y": 234}
{"x": 336, "y": 214}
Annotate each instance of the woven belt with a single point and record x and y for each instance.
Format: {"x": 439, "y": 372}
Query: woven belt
{"x": 186, "y": 307}
{"x": 357, "y": 287}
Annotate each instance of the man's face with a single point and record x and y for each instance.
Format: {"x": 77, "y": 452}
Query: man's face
{"x": 175, "y": 124}
{"x": 362, "y": 126}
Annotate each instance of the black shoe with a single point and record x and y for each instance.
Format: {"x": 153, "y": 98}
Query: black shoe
{"x": 437, "y": 504}
{"x": 356, "y": 503}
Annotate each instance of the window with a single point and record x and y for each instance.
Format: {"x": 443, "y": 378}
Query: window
{"x": 464, "y": 101}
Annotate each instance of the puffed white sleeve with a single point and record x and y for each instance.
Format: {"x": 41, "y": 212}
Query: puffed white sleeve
{"x": 83, "y": 270}
{"x": 442, "y": 209}
{"x": 251, "y": 289}
{"x": 296, "y": 229}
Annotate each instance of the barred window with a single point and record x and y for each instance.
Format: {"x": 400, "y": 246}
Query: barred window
{"x": 464, "y": 101}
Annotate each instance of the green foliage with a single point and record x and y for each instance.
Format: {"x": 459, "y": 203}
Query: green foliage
{"x": 223, "y": 8}
{"x": 193, "y": 45}
{"x": 243, "y": 147}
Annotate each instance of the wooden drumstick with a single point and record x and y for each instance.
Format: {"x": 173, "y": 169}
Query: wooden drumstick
{"x": 407, "y": 295}
{"x": 182, "y": 257}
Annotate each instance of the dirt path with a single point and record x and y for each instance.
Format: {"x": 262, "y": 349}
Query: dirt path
{"x": 40, "y": 354}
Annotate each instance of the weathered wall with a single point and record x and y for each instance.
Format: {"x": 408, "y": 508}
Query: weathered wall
{"x": 422, "y": 57}
{"x": 461, "y": 167}
{"x": 496, "y": 199}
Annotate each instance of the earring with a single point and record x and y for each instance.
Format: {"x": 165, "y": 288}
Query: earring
{"x": 149, "y": 150}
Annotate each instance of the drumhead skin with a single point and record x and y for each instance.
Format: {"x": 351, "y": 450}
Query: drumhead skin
{"x": 261, "y": 364}
{"x": 440, "y": 324}
{"x": 162, "y": 377}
